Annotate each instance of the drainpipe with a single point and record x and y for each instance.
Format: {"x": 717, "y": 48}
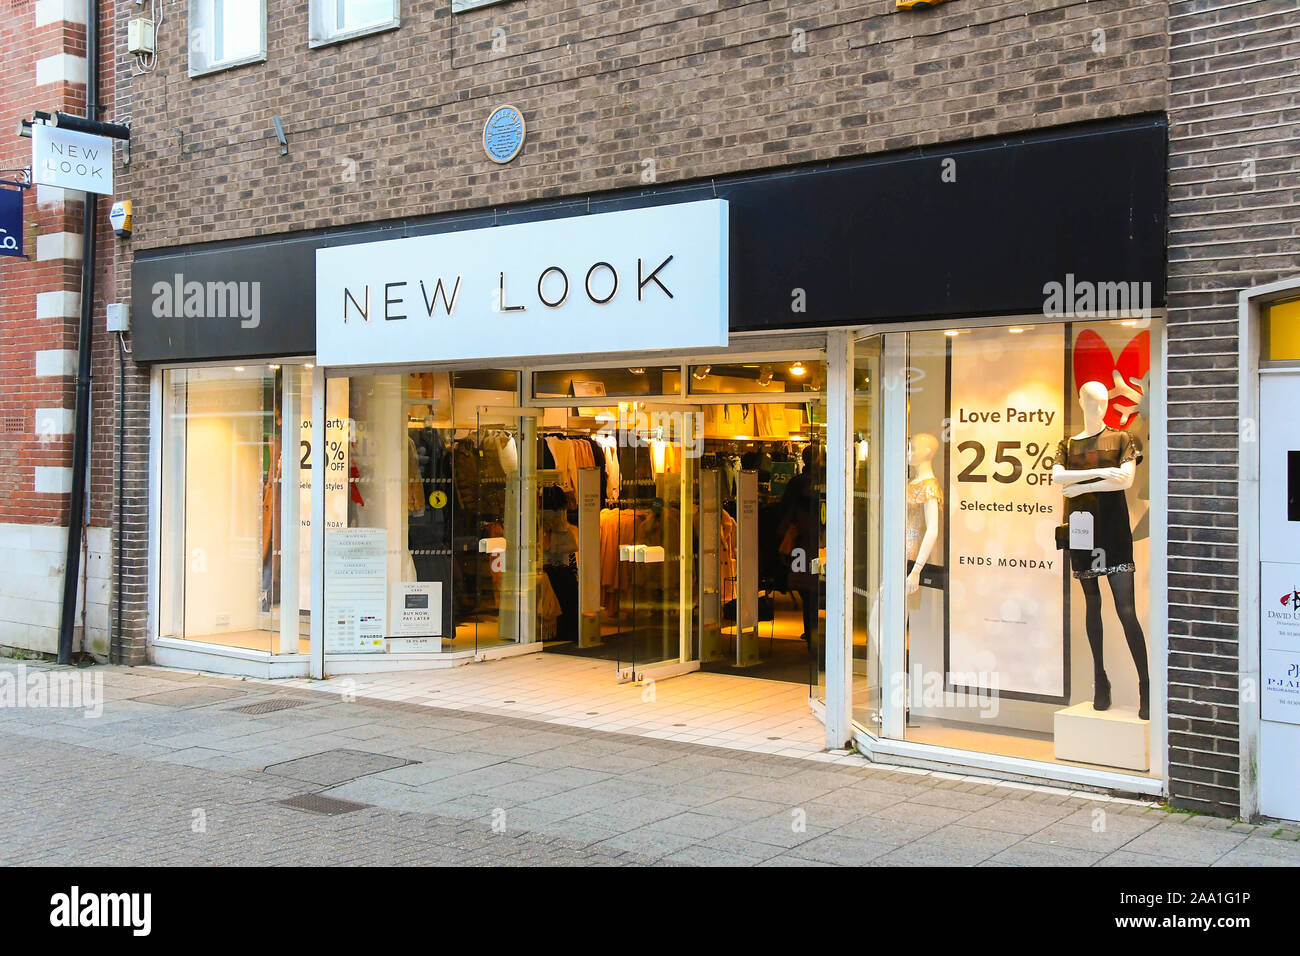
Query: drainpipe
{"x": 81, "y": 422}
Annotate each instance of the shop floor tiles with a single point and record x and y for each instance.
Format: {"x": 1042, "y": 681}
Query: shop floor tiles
{"x": 739, "y": 713}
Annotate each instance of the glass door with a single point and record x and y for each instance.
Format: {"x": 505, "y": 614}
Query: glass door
{"x": 866, "y": 456}
{"x": 659, "y": 455}
{"x": 505, "y": 584}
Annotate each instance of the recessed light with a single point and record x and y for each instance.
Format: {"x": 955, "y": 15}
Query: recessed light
{"x": 1015, "y": 331}
{"x": 952, "y": 333}
{"x": 798, "y": 370}
{"x": 239, "y": 368}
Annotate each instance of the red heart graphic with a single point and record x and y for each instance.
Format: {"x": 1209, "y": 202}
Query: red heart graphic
{"x": 1093, "y": 362}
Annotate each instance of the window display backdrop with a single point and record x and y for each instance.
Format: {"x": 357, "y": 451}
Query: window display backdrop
{"x": 996, "y": 608}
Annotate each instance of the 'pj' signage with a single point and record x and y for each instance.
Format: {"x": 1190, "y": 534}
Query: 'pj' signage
{"x": 653, "y": 278}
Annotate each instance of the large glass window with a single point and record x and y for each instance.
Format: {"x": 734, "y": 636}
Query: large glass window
{"x": 236, "y": 507}
{"x": 425, "y": 547}
{"x": 1026, "y": 542}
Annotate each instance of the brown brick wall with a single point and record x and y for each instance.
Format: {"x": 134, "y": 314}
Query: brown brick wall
{"x": 1233, "y": 96}
{"x": 390, "y": 125}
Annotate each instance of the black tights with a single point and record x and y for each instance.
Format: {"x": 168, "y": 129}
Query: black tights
{"x": 1121, "y": 588}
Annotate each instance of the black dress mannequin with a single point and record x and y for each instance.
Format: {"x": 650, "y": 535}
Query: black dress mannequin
{"x": 1094, "y": 468}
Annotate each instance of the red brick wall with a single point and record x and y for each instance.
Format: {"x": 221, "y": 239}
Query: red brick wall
{"x": 25, "y": 443}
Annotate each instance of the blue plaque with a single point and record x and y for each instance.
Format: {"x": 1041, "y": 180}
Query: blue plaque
{"x": 503, "y": 134}
{"x": 11, "y": 222}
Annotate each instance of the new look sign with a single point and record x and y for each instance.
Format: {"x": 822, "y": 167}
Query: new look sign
{"x": 72, "y": 160}
{"x": 626, "y": 281}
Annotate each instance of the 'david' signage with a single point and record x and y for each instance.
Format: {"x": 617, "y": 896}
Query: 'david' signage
{"x": 639, "y": 279}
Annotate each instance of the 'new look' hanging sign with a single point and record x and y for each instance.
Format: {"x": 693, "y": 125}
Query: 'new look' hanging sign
{"x": 72, "y": 160}
{"x": 628, "y": 281}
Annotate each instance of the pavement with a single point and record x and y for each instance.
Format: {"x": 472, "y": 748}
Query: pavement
{"x": 183, "y": 769}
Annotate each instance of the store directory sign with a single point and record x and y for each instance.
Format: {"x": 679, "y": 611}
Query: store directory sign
{"x": 628, "y": 281}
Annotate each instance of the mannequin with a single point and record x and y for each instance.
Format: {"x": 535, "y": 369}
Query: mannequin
{"x": 923, "y": 497}
{"x": 1093, "y": 469}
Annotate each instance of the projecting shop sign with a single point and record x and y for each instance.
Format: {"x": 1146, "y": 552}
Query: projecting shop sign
{"x": 71, "y": 160}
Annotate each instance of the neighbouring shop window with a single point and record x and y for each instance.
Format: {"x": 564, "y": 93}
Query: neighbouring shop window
{"x": 333, "y": 20}
{"x": 226, "y": 33}
{"x": 1028, "y": 542}
{"x": 234, "y": 443}
{"x": 1281, "y": 328}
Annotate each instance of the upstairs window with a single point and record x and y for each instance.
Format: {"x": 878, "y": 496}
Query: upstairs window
{"x": 335, "y": 20}
{"x": 226, "y": 33}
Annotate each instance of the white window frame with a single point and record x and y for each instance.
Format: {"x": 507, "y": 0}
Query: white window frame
{"x": 201, "y": 17}
{"x": 464, "y": 6}
{"x": 323, "y": 28}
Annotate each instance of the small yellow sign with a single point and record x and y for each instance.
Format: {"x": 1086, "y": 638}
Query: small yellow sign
{"x": 438, "y": 499}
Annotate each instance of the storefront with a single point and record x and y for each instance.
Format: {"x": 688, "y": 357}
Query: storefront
{"x": 822, "y": 424}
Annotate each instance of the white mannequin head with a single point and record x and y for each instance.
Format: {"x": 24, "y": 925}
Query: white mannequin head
{"x": 921, "y": 448}
{"x": 1094, "y": 399}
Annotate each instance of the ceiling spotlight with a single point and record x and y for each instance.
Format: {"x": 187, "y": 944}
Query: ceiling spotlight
{"x": 798, "y": 370}
{"x": 952, "y": 333}
{"x": 701, "y": 372}
{"x": 764, "y": 376}
{"x": 1015, "y": 331}
{"x": 637, "y": 371}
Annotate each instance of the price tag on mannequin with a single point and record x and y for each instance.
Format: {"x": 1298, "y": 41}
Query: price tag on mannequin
{"x": 1081, "y": 531}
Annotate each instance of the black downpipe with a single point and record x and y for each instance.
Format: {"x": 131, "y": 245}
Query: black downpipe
{"x": 81, "y": 422}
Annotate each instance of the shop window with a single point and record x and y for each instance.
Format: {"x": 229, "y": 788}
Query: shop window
{"x": 226, "y": 33}
{"x": 758, "y": 377}
{"x": 336, "y": 20}
{"x": 866, "y": 456}
{"x": 423, "y": 544}
{"x": 235, "y": 449}
{"x": 1027, "y": 543}
{"x": 622, "y": 382}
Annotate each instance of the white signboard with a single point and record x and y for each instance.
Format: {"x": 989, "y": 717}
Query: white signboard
{"x": 1279, "y": 642}
{"x": 624, "y": 281}
{"x": 1006, "y": 604}
{"x": 356, "y": 589}
{"x": 417, "y": 609}
{"x": 70, "y": 160}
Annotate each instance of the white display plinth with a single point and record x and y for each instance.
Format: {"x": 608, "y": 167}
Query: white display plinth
{"x": 1112, "y": 738}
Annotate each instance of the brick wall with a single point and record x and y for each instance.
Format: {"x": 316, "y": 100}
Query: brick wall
{"x": 1234, "y": 215}
{"x": 44, "y": 64}
{"x": 390, "y": 125}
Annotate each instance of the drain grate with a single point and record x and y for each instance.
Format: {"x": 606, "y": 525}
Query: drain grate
{"x": 268, "y": 706}
{"x": 319, "y": 803}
